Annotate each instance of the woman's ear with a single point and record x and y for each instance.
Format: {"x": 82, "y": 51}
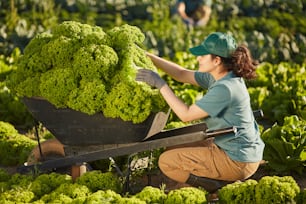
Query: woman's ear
{"x": 217, "y": 61}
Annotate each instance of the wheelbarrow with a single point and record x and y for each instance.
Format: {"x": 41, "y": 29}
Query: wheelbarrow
{"x": 82, "y": 138}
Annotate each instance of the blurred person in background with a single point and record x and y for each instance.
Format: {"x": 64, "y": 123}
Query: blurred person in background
{"x": 194, "y": 12}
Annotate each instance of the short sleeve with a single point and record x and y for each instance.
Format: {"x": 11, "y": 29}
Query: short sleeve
{"x": 216, "y": 100}
{"x": 204, "y": 79}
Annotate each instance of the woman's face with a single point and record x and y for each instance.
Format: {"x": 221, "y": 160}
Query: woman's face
{"x": 207, "y": 63}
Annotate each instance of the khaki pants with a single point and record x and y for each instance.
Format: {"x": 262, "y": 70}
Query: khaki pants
{"x": 203, "y": 159}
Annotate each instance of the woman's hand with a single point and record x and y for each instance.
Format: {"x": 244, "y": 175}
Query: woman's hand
{"x": 150, "y": 77}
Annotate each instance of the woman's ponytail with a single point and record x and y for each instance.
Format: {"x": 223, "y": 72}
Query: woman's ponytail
{"x": 243, "y": 64}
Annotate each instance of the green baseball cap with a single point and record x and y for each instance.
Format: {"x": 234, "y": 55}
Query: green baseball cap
{"x": 216, "y": 43}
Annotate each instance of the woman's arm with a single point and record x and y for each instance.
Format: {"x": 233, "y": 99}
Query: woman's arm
{"x": 184, "y": 112}
{"x": 174, "y": 70}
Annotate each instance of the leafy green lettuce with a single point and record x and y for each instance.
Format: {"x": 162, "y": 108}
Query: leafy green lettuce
{"x": 87, "y": 69}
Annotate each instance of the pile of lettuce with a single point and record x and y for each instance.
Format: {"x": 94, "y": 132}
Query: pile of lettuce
{"x": 88, "y": 69}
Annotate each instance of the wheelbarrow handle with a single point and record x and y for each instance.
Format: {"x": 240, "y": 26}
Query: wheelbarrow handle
{"x": 258, "y": 113}
{"x": 214, "y": 133}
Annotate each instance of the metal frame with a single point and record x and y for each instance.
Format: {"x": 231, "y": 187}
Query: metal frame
{"x": 81, "y": 154}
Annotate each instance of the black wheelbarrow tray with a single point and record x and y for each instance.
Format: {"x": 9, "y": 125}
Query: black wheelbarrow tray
{"x": 88, "y": 138}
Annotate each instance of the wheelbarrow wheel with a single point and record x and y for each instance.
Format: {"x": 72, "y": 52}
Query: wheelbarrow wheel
{"x": 53, "y": 149}
{"x": 50, "y": 149}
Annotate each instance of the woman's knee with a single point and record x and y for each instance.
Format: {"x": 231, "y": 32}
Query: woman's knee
{"x": 162, "y": 161}
{"x": 170, "y": 167}
{"x": 167, "y": 162}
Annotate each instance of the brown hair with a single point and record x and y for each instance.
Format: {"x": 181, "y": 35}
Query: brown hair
{"x": 241, "y": 63}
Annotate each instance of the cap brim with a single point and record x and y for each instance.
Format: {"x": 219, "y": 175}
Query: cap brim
{"x": 199, "y": 50}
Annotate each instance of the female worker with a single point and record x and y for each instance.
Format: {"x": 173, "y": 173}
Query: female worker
{"x": 223, "y": 66}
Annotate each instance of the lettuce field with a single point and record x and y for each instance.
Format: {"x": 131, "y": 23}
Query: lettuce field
{"x": 83, "y": 55}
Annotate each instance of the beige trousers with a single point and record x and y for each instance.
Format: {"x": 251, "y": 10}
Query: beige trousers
{"x": 203, "y": 159}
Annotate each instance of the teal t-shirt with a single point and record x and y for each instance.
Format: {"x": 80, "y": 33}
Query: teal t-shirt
{"x": 227, "y": 102}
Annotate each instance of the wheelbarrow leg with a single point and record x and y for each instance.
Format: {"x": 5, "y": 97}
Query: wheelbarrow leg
{"x": 78, "y": 170}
